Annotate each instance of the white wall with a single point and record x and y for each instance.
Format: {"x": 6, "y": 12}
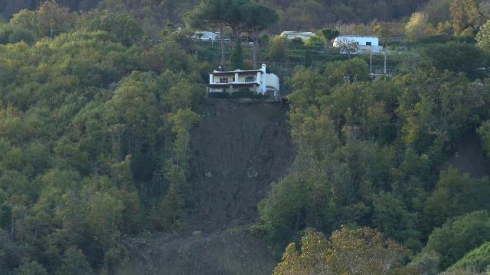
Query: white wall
{"x": 361, "y": 40}
{"x": 241, "y": 77}
{"x": 272, "y": 81}
{"x": 293, "y": 35}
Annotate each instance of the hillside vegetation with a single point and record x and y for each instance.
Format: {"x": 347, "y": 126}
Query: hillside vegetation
{"x": 294, "y": 14}
{"x": 114, "y": 161}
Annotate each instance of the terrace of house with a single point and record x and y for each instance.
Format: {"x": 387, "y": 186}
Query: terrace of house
{"x": 236, "y": 77}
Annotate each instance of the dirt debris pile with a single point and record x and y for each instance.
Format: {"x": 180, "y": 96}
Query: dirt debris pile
{"x": 239, "y": 150}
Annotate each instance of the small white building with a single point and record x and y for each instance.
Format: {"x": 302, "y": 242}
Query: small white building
{"x": 290, "y": 35}
{"x": 206, "y": 35}
{"x": 258, "y": 81}
{"x": 357, "y": 44}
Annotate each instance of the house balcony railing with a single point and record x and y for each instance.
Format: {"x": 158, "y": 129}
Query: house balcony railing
{"x": 235, "y": 83}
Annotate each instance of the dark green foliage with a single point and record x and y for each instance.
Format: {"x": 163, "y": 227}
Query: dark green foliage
{"x": 257, "y": 19}
{"x": 12, "y": 34}
{"x": 237, "y": 57}
{"x": 277, "y": 50}
{"x": 392, "y": 217}
{"x": 455, "y": 57}
{"x": 121, "y": 25}
{"x": 30, "y": 268}
{"x": 303, "y": 14}
{"x": 330, "y": 34}
{"x": 246, "y": 93}
{"x": 484, "y": 132}
{"x": 168, "y": 56}
{"x": 369, "y": 153}
{"x": 219, "y": 95}
{"x": 297, "y": 41}
{"x": 347, "y": 71}
{"x": 21, "y": 35}
{"x": 459, "y": 236}
{"x": 455, "y": 195}
{"x": 477, "y": 260}
{"x": 95, "y": 129}
{"x": 89, "y": 124}
{"x": 74, "y": 263}
{"x": 238, "y": 15}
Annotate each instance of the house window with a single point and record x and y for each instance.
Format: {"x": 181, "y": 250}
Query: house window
{"x": 249, "y": 79}
{"x": 368, "y": 43}
{"x": 223, "y": 80}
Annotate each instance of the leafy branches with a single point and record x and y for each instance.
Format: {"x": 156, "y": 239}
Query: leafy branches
{"x": 348, "y": 251}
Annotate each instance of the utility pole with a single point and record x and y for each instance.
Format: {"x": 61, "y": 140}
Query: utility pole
{"x": 384, "y": 69}
{"x": 370, "y": 62}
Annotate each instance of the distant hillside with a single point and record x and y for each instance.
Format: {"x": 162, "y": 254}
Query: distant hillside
{"x": 11, "y": 7}
{"x": 318, "y": 13}
{"x": 295, "y": 15}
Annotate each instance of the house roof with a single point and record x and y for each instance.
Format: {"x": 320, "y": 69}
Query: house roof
{"x": 297, "y": 33}
{"x": 355, "y": 36}
{"x": 235, "y": 71}
{"x": 207, "y": 32}
{"x": 234, "y": 84}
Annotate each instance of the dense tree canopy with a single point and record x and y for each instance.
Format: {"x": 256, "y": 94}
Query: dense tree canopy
{"x": 94, "y": 142}
{"x": 294, "y": 15}
{"x": 348, "y": 251}
{"x": 369, "y": 152}
{"x": 97, "y": 108}
{"x": 457, "y": 237}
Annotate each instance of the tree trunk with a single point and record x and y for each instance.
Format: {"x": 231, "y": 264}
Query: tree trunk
{"x": 236, "y": 34}
{"x": 222, "y": 44}
{"x": 236, "y": 41}
{"x": 254, "y": 57}
{"x": 12, "y": 235}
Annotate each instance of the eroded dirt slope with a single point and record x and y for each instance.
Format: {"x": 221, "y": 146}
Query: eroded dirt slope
{"x": 239, "y": 148}
{"x": 469, "y": 157}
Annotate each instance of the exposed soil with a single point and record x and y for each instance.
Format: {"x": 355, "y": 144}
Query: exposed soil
{"x": 220, "y": 253}
{"x": 469, "y": 157}
{"x": 240, "y": 148}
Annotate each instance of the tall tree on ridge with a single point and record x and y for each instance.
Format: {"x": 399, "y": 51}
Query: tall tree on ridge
{"x": 258, "y": 18}
{"x": 238, "y": 15}
{"x": 210, "y": 14}
{"x": 235, "y": 18}
{"x": 51, "y": 17}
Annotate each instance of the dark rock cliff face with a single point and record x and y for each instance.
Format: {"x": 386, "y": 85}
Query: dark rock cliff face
{"x": 240, "y": 149}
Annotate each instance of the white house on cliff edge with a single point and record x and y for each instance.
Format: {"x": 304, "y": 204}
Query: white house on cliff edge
{"x": 258, "y": 81}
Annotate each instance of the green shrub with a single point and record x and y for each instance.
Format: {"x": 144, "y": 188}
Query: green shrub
{"x": 277, "y": 50}
{"x": 246, "y": 93}
{"x": 459, "y": 236}
{"x": 19, "y": 35}
{"x": 219, "y": 95}
{"x": 477, "y": 260}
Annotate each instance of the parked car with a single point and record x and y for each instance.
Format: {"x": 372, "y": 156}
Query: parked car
{"x": 206, "y": 36}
